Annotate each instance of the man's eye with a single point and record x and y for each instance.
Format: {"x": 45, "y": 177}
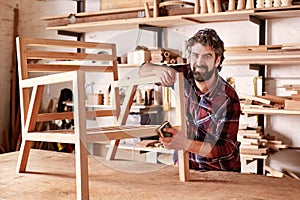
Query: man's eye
{"x": 207, "y": 56}
{"x": 195, "y": 55}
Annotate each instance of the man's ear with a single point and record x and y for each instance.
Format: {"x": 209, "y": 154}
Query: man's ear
{"x": 218, "y": 61}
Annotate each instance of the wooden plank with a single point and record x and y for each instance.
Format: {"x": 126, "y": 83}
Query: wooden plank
{"x": 292, "y": 105}
{"x": 175, "y": 3}
{"x": 65, "y": 43}
{"x": 197, "y": 7}
{"x": 272, "y": 98}
{"x": 277, "y": 147}
{"x": 210, "y": 6}
{"x": 183, "y": 156}
{"x": 157, "y": 21}
{"x": 147, "y": 9}
{"x": 33, "y": 108}
{"x": 274, "y": 172}
{"x": 292, "y": 87}
{"x": 181, "y": 11}
{"x": 81, "y": 162}
{"x": 246, "y": 49}
{"x": 254, "y": 98}
{"x": 263, "y": 58}
{"x": 248, "y": 146}
{"x": 156, "y": 8}
{"x": 51, "y": 137}
{"x": 116, "y": 4}
{"x": 49, "y": 79}
{"x": 278, "y": 12}
{"x": 67, "y": 67}
{"x": 296, "y": 97}
{"x": 23, "y": 155}
{"x": 259, "y": 151}
{"x": 42, "y": 117}
{"x": 87, "y": 19}
{"x": 270, "y": 111}
{"x": 254, "y": 156}
{"x": 67, "y": 55}
{"x": 97, "y": 13}
{"x": 290, "y": 173}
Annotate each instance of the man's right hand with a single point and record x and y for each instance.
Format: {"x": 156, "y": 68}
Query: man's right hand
{"x": 166, "y": 75}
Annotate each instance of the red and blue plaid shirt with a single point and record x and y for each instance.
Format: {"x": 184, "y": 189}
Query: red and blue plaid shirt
{"x": 212, "y": 117}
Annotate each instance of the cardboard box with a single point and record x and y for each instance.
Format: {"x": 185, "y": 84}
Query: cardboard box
{"x": 138, "y": 57}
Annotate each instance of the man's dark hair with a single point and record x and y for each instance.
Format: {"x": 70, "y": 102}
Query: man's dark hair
{"x": 208, "y": 37}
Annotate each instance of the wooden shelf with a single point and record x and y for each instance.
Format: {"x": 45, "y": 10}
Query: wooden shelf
{"x": 127, "y": 65}
{"x": 263, "y": 58}
{"x": 268, "y": 111}
{"x": 170, "y": 21}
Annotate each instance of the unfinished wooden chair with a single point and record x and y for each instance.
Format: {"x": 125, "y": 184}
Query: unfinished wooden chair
{"x": 61, "y": 62}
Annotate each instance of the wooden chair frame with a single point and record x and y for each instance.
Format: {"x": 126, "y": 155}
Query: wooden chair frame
{"x": 31, "y": 92}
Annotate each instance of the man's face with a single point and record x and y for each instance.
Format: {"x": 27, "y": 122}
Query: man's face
{"x": 203, "y": 62}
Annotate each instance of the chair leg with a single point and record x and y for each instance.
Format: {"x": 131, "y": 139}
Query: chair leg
{"x": 23, "y": 155}
{"x": 112, "y": 150}
{"x": 184, "y": 171}
{"x": 82, "y": 175}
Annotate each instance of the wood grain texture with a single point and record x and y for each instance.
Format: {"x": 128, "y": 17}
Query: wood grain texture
{"x": 51, "y": 175}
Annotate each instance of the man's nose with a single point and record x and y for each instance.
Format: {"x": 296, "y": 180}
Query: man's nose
{"x": 199, "y": 60}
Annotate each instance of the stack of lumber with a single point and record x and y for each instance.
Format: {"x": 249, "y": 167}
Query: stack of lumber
{"x": 106, "y": 15}
{"x": 282, "y": 173}
{"x": 266, "y": 101}
{"x": 294, "y": 102}
{"x": 263, "y": 48}
{"x": 263, "y": 54}
{"x": 270, "y": 101}
{"x": 274, "y": 144}
{"x": 254, "y": 143}
{"x": 263, "y": 102}
{"x": 166, "y": 56}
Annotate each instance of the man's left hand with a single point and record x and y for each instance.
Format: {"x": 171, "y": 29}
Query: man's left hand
{"x": 178, "y": 141}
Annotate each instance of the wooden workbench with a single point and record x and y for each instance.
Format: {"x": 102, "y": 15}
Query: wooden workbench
{"x": 51, "y": 175}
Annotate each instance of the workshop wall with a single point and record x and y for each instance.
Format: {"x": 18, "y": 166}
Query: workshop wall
{"x": 6, "y": 44}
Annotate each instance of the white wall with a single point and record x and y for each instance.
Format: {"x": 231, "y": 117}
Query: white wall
{"x": 6, "y": 44}
{"x": 32, "y": 25}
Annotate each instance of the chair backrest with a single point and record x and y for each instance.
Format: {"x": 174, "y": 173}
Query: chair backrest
{"x": 40, "y": 57}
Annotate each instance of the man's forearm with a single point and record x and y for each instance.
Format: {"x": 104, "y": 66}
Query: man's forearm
{"x": 200, "y": 148}
{"x": 148, "y": 69}
{"x": 166, "y": 74}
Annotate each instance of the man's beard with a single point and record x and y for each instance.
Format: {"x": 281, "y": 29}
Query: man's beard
{"x": 202, "y": 76}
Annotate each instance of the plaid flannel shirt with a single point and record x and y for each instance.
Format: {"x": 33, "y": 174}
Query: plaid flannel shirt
{"x": 212, "y": 117}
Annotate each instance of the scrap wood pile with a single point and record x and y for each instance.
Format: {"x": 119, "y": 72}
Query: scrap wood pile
{"x": 254, "y": 143}
{"x": 294, "y": 102}
{"x": 263, "y": 54}
{"x": 142, "y": 54}
{"x": 266, "y": 101}
{"x": 283, "y": 173}
{"x": 166, "y": 56}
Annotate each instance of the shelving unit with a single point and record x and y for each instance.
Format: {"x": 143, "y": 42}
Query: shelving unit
{"x": 256, "y": 60}
{"x": 254, "y": 15}
{"x": 269, "y": 111}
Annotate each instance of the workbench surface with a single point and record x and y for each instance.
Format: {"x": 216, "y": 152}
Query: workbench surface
{"x": 51, "y": 175}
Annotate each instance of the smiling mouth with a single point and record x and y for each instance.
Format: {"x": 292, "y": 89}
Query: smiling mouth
{"x": 201, "y": 68}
